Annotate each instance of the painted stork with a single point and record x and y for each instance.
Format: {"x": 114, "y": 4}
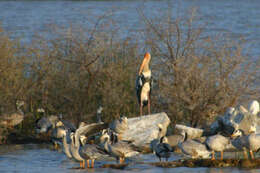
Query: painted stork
{"x": 144, "y": 84}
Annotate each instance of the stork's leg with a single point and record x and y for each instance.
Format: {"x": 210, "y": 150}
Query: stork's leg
{"x": 92, "y": 163}
{"x": 149, "y": 105}
{"x": 252, "y": 154}
{"x": 80, "y": 164}
{"x": 221, "y": 155}
{"x": 141, "y": 109}
{"x": 213, "y": 155}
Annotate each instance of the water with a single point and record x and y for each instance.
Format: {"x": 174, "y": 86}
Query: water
{"x": 235, "y": 18}
{"x": 40, "y": 158}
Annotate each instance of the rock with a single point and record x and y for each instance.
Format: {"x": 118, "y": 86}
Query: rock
{"x": 142, "y": 130}
{"x": 191, "y": 132}
{"x": 119, "y": 126}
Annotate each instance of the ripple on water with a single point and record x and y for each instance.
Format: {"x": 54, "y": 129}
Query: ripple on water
{"x": 40, "y": 158}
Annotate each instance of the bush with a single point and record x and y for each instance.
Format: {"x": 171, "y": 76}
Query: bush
{"x": 199, "y": 76}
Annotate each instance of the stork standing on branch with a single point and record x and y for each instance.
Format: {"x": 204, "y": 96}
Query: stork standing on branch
{"x": 144, "y": 84}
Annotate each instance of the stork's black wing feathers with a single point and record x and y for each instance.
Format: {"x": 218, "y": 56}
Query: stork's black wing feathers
{"x": 138, "y": 86}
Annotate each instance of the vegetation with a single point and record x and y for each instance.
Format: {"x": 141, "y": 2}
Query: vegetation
{"x": 196, "y": 76}
{"x": 199, "y": 75}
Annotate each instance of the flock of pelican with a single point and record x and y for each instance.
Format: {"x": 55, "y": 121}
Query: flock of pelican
{"x": 76, "y": 142}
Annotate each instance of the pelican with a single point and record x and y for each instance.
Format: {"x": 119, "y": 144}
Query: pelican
{"x": 144, "y": 84}
{"x": 120, "y": 150}
{"x": 217, "y": 143}
{"x": 11, "y": 120}
{"x": 163, "y": 149}
{"x": 244, "y": 142}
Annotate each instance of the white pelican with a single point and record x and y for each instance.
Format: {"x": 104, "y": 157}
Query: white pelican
{"x": 144, "y": 84}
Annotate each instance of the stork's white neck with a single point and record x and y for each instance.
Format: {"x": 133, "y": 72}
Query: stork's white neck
{"x": 147, "y": 74}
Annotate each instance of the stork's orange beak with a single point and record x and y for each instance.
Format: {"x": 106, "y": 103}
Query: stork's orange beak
{"x": 147, "y": 57}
